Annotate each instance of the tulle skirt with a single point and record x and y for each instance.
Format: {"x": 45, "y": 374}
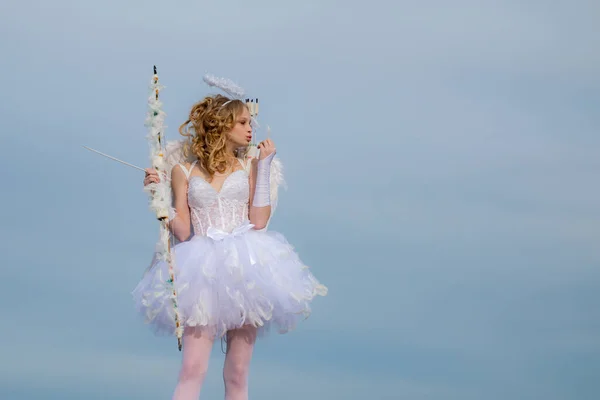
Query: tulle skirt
{"x": 224, "y": 281}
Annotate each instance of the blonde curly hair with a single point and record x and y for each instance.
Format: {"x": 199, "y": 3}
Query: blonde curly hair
{"x": 211, "y": 119}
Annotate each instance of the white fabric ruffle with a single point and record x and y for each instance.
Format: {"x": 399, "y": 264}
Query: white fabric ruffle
{"x": 225, "y": 280}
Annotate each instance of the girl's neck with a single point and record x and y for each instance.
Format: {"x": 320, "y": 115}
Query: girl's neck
{"x": 231, "y": 149}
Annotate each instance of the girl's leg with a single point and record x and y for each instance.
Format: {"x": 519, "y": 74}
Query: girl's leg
{"x": 196, "y": 352}
{"x": 240, "y": 344}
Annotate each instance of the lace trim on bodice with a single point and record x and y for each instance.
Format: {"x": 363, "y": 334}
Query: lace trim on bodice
{"x": 224, "y": 209}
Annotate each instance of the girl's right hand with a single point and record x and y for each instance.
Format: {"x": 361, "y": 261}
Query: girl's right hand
{"x": 151, "y": 176}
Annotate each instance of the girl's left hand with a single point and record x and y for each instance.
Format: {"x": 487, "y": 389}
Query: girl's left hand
{"x": 266, "y": 147}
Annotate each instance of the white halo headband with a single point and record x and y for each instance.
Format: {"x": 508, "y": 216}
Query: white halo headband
{"x": 235, "y": 91}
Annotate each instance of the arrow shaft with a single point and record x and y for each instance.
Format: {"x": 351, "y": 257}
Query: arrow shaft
{"x": 116, "y": 159}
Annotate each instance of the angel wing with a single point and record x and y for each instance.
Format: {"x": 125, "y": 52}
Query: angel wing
{"x": 276, "y": 179}
{"x": 174, "y": 155}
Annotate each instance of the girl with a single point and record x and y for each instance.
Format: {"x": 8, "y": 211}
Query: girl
{"x": 234, "y": 279}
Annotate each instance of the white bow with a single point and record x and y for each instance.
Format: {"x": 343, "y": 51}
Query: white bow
{"x": 218, "y": 234}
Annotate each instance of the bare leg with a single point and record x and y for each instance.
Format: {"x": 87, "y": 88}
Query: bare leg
{"x": 196, "y": 353}
{"x": 240, "y": 344}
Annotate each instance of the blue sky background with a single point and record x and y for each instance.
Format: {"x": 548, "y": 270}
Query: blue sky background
{"x": 442, "y": 163}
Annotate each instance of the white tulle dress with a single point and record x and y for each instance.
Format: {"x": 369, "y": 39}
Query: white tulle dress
{"x": 228, "y": 274}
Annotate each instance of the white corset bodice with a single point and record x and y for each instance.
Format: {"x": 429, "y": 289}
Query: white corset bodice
{"x": 225, "y": 209}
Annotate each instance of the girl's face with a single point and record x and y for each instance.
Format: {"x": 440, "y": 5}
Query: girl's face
{"x": 241, "y": 134}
